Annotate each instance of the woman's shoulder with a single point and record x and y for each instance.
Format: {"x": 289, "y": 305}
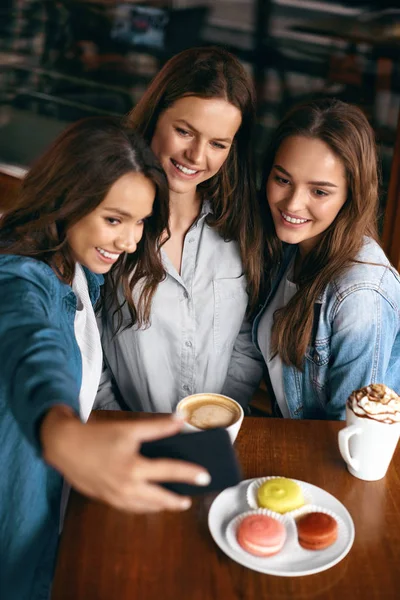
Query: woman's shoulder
{"x": 371, "y": 252}
{"x": 371, "y": 270}
{"x": 31, "y": 273}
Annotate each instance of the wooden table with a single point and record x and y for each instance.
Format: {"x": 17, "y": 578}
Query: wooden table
{"x": 107, "y": 555}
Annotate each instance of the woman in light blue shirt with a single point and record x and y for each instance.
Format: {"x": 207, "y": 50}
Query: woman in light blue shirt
{"x": 198, "y": 116}
{"x": 331, "y": 322}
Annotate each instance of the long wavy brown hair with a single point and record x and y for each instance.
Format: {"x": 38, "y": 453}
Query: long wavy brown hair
{"x": 215, "y": 73}
{"x": 345, "y": 129}
{"x": 68, "y": 182}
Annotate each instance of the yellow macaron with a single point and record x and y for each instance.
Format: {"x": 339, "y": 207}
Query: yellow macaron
{"x": 280, "y": 495}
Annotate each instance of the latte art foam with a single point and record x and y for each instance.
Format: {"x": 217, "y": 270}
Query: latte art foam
{"x": 206, "y": 413}
{"x": 377, "y": 402}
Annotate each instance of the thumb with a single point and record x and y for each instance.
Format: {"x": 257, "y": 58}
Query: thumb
{"x": 155, "y": 429}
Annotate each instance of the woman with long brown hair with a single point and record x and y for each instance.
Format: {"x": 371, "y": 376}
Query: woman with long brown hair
{"x": 331, "y": 322}
{"x": 96, "y": 201}
{"x": 198, "y": 117}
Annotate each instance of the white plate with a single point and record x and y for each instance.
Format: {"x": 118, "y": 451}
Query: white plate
{"x": 292, "y": 560}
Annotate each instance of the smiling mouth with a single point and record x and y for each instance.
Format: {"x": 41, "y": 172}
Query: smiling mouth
{"x": 183, "y": 169}
{"x": 109, "y": 255}
{"x": 293, "y": 220}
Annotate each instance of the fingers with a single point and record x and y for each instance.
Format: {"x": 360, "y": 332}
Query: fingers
{"x": 155, "y": 429}
{"x": 145, "y": 497}
{"x": 164, "y": 469}
{"x": 153, "y": 498}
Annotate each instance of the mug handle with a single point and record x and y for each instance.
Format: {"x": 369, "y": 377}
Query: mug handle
{"x": 344, "y": 437}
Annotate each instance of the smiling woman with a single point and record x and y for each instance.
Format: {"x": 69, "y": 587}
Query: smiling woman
{"x": 99, "y": 239}
{"x": 188, "y": 142}
{"x": 305, "y": 201}
{"x": 331, "y": 321}
{"x": 80, "y": 213}
{"x": 198, "y": 117}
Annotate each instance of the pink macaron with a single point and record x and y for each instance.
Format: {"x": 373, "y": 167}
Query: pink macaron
{"x": 261, "y": 535}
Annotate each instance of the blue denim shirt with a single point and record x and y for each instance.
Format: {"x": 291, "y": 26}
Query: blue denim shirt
{"x": 356, "y": 337}
{"x": 40, "y": 366}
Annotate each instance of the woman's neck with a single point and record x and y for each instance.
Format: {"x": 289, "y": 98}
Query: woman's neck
{"x": 184, "y": 210}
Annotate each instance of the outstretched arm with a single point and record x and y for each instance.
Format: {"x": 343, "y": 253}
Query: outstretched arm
{"x": 103, "y": 461}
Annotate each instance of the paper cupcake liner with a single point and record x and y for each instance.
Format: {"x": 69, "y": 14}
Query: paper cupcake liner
{"x": 233, "y": 525}
{"x": 310, "y": 508}
{"x": 251, "y": 494}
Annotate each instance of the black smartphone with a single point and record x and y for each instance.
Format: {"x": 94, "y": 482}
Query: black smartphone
{"x": 211, "y": 449}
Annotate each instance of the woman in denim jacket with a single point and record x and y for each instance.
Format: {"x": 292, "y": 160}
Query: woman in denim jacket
{"x": 331, "y": 321}
{"x": 80, "y": 212}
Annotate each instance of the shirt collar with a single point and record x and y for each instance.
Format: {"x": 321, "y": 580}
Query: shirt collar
{"x": 206, "y": 209}
{"x": 94, "y": 282}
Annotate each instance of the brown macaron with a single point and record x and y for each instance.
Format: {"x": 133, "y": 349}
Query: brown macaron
{"x": 316, "y": 531}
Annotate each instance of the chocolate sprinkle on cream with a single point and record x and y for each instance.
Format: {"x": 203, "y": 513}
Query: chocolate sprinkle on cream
{"x": 377, "y": 402}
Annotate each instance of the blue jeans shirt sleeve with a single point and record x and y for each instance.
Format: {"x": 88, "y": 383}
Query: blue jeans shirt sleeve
{"x": 32, "y": 353}
{"x": 363, "y": 332}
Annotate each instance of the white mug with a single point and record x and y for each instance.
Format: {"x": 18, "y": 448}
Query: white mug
{"x": 367, "y": 446}
{"x": 233, "y": 429}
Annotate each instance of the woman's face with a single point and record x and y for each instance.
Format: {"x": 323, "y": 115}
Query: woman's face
{"x": 306, "y": 189}
{"x": 115, "y": 226}
{"x": 193, "y": 138}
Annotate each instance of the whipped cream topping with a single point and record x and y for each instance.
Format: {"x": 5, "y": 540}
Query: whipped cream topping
{"x": 377, "y": 402}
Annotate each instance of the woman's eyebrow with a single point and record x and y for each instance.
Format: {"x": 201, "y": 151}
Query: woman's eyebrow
{"x": 321, "y": 183}
{"x": 280, "y": 168}
{"x": 189, "y": 126}
{"x": 121, "y": 212}
{"x": 124, "y": 213}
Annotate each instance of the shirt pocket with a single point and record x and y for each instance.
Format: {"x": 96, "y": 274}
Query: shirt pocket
{"x": 230, "y": 303}
{"x": 318, "y": 356}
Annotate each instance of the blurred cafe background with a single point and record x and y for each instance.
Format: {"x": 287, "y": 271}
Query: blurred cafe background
{"x": 61, "y": 60}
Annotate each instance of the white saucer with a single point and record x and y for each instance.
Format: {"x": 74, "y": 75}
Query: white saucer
{"x": 292, "y": 560}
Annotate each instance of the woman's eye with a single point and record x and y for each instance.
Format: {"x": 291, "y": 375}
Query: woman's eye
{"x": 281, "y": 180}
{"x": 181, "y": 131}
{"x": 218, "y": 145}
{"x": 320, "y": 193}
{"x": 112, "y": 221}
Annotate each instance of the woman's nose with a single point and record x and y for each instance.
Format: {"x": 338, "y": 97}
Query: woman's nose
{"x": 127, "y": 243}
{"x": 196, "y": 152}
{"x": 295, "y": 201}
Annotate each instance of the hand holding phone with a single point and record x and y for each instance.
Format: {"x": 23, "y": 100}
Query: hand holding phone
{"x": 212, "y": 449}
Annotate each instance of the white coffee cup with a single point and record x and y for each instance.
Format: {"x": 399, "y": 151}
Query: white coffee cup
{"x": 199, "y": 408}
{"x": 367, "y": 445}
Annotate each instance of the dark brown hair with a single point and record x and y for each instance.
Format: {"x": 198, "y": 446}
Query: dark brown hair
{"x": 215, "y": 73}
{"x": 345, "y": 129}
{"x": 68, "y": 182}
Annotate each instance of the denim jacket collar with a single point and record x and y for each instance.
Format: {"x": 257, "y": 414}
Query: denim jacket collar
{"x": 94, "y": 282}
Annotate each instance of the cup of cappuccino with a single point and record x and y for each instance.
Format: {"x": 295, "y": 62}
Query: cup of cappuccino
{"x": 207, "y": 411}
{"x": 368, "y": 442}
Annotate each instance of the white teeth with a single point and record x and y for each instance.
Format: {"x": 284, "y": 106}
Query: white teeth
{"x": 184, "y": 169}
{"x": 108, "y": 254}
{"x": 292, "y": 220}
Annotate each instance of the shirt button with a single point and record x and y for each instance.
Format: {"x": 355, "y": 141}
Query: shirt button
{"x": 188, "y": 344}
{"x": 185, "y": 295}
{"x": 191, "y": 240}
{"x": 186, "y": 388}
